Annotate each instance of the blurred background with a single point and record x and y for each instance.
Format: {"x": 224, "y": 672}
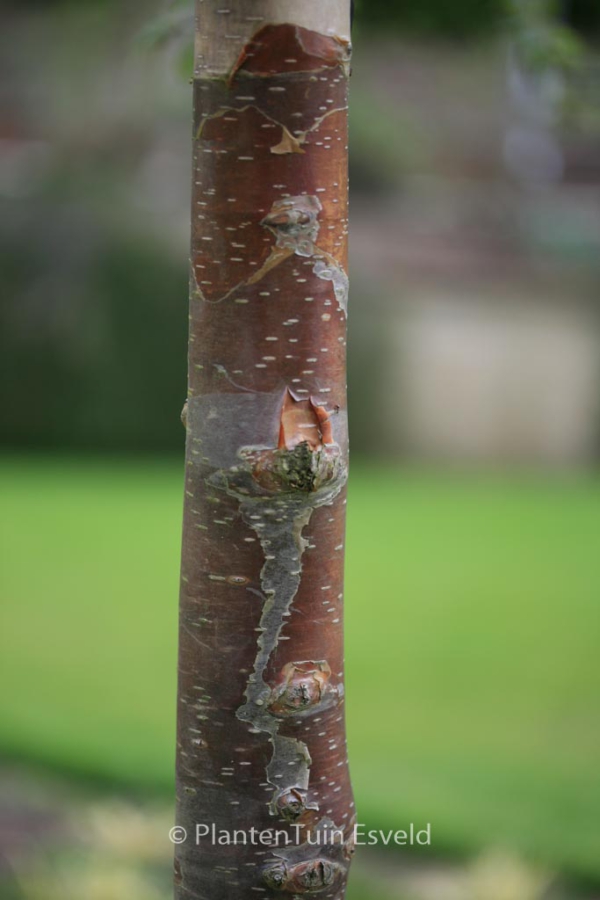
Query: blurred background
{"x": 473, "y": 573}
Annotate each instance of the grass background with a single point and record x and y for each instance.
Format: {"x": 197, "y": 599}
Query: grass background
{"x": 472, "y": 623}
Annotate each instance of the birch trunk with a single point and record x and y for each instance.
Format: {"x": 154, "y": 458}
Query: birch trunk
{"x": 261, "y": 741}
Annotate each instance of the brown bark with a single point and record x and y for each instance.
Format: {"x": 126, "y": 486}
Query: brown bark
{"x": 261, "y": 742}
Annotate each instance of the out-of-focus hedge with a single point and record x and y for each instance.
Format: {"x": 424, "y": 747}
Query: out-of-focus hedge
{"x": 465, "y": 18}
{"x": 468, "y": 17}
{"x": 92, "y": 348}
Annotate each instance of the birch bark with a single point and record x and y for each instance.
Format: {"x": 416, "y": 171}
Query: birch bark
{"x": 261, "y": 741}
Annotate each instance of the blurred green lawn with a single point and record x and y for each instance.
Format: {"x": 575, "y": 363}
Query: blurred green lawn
{"x": 472, "y": 625}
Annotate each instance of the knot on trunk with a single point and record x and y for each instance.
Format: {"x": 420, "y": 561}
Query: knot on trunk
{"x": 303, "y": 686}
{"x": 291, "y": 803}
{"x": 303, "y": 878}
{"x": 293, "y": 222}
{"x": 306, "y": 464}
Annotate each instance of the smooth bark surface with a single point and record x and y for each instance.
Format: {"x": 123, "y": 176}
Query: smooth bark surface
{"x": 261, "y": 742}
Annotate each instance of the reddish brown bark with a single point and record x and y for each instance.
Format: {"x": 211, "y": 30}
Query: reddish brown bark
{"x": 261, "y": 742}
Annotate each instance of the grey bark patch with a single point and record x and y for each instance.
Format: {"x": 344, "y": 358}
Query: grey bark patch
{"x": 222, "y": 422}
{"x": 279, "y": 529}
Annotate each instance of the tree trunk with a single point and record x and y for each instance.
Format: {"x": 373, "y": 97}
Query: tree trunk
{"x": 261, "y": 741}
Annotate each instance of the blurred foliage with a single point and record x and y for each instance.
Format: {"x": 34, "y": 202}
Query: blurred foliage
{"x": 172, "y": 26}
{"x": 161, "y": 29}
{"x": 540, "y": 38}
{"x": 172, "y": 23}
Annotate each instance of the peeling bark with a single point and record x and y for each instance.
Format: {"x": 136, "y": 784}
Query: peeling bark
{"x": 261, "y": 741}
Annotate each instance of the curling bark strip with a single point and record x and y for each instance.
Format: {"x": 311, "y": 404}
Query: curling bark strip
{"x": 261, "y": 740}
